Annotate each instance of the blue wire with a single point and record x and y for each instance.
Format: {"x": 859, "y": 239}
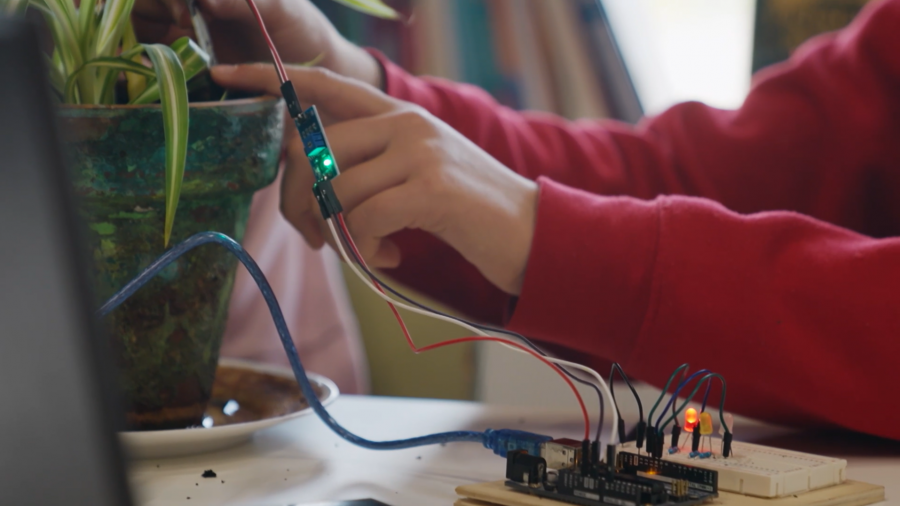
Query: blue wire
{"x": 706, "y": 394}
{"x": 675, "y": 394}
{"x": 488, "y": 438}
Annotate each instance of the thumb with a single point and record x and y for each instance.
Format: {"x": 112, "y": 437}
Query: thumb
{"x": 339, "y": 98}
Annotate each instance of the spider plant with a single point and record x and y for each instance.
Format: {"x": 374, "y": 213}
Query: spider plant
{"x": 95, "y": 43}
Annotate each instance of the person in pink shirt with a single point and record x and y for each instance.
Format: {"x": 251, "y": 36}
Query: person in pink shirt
{"x": 311, "y": 291}
{"x": 307, "y": 282}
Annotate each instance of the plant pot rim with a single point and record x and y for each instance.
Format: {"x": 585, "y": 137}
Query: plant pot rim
{"x": 192, "y": 105}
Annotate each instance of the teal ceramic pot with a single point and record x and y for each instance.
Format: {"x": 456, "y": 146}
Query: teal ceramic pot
{"x": 166, "y": 338}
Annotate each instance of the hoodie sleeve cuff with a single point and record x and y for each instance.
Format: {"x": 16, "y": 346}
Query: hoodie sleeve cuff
{"x": 588, "y": 282}
{"x": 394, "y": 80}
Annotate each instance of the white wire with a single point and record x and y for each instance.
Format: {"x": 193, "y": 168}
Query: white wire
{"x": 613, "y": 434}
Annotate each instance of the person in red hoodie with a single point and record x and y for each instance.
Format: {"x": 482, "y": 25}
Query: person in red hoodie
{"x": 760, "y": 242}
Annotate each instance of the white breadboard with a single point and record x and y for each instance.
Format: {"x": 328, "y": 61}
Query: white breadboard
{"x": 761, "y": 471}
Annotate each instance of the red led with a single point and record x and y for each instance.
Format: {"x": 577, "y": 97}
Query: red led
{"x": 690, "y": 419}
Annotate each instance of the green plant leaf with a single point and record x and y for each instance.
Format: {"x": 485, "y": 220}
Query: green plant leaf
{"x": 174, "y": 99}
{"x": 116, "y": 14}
{"x": 136, "y": 82}
{"x": 57, "y": 79}
{"x": 87, "y": 23}
{"x": 193, "y": 60}
{"x": 375, "y": 8}
{"x": 37, "y": 4}
{"x": 14, "y": 7}
{"x": 117, "y": 64}
{"x": 110, "y": 76}
{"x": 315, "y": 61}
{"x": 60, "y": 16}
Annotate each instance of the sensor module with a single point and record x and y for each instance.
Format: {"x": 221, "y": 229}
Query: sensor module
{"x": 316, "y": 146}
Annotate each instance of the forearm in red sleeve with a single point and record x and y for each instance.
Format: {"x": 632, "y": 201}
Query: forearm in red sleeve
{"x": 816, "y": 135}
{"x": 799, "y": 315}
{"x": 807, "y": 138}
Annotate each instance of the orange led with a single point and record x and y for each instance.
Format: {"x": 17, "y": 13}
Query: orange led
{"x": 706, "y": 425}
{"x": 690, "y": 419}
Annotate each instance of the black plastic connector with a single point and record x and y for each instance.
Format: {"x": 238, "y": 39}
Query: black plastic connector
{"x": 290, "y": 98}
{"x": 641, "y": 434}
{"x": 586, "y": 461}
{"x": 695, "y": 439}
{"x": 660, "y": 444}
{"x": 522, "y": 467}
{"x": 651, "y": 440}
{"x": 676, "y": 435}
{"x": 611, "y": 458}
{"x": 621, "y": 427}
{"x": 726, "y": 444}
{"x": 328, "y": 201}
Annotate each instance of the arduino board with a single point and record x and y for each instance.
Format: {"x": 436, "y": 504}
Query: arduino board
{"x": 585, "y": 480}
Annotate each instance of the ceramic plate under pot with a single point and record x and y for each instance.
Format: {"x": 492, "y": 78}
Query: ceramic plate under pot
{"x": 247, "y": 397}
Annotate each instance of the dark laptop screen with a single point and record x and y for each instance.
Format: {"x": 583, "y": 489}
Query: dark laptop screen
{"x": 57, "y": 441}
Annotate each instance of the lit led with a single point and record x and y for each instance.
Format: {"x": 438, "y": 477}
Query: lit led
{"x": 706, "y": 425}
{"x": 327, "y": 162}
{"x": 690, "y": 419}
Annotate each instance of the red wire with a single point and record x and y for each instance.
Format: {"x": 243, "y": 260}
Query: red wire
{"x": 584, "y": 413}
{"x": 343, "y": 225}
{"x": 412, "y": 345}
{"x": 279, "y": 66}
{"x": 282, "y": 75}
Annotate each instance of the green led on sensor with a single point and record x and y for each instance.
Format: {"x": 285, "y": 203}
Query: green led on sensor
{"x": 316, "y": 146}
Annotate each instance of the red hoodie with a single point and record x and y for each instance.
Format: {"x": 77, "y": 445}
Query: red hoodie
{"x": 760, "y": 243}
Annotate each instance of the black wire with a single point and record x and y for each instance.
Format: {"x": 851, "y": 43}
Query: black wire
{"x": 479, "y": 326}
{"x": 612, "y": 391}
{"x": 684, "y": 373}
{"x": 616, "y": 367}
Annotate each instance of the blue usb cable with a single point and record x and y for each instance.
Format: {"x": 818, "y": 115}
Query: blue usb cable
{"x": 500, "y": 441}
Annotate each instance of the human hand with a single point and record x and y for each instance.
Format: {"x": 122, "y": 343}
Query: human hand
{"x": 299, "y": 30}
{"x": 401, "y": 168}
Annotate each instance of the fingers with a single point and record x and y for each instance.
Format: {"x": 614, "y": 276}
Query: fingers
{"x": 370, "y": 178}
{"x": 259, "y": 77}
{"x": 340, "y": 97}
{"x": 369, "y": 170}
{"x": 356, "y": 141}
{"x": 231, "y": 9}
{"x": 167, "y": 11}
{"x": 380, "y": 216}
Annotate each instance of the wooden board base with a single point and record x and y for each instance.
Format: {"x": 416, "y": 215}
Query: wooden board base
{"x": 849, "y": 493}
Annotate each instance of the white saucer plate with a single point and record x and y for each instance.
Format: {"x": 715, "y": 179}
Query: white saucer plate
{"x": 181, "y": 442}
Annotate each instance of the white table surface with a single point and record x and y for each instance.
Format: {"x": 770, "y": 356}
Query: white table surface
{"x": 303, "y": 462}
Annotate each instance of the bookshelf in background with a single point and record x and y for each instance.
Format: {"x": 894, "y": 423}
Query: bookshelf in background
{"x": 553, "y": 56}
{"x": 782, "y": 25}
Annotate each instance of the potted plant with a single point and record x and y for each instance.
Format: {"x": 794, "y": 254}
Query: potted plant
{"x": 145, "y": 141}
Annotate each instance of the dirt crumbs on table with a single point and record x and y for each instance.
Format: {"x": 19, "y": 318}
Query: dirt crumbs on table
{"x": 209, "y": 473}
